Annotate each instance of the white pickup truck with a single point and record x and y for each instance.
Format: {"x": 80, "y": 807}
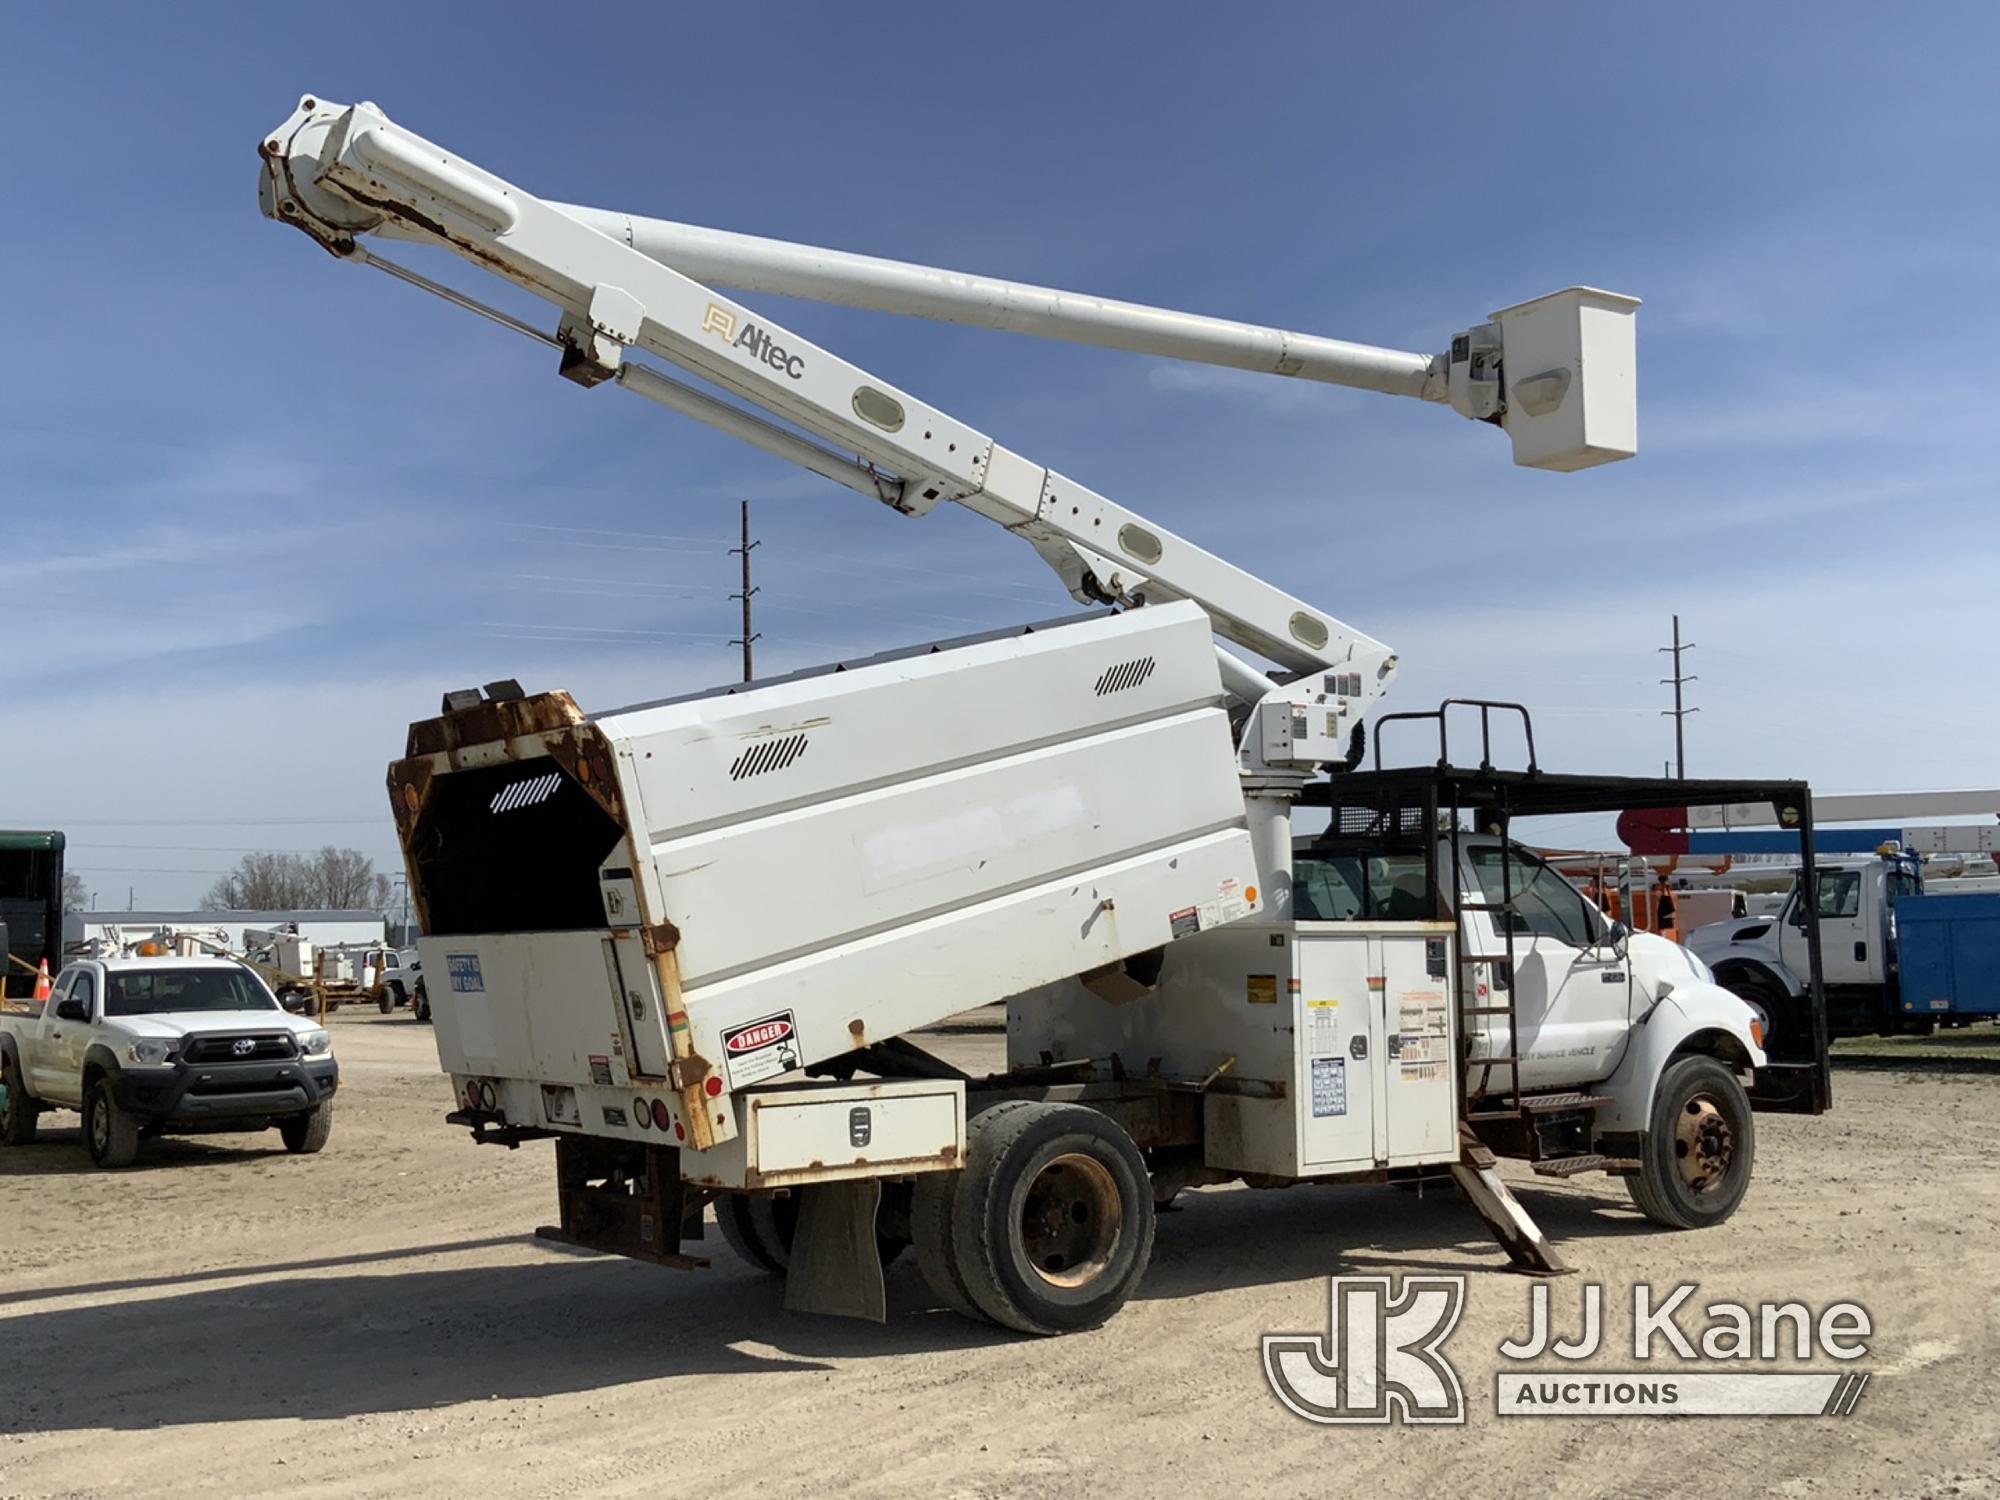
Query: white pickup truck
{"x": 151, "y": 1046}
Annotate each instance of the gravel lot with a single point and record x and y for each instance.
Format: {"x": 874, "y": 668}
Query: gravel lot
{"x": 226, "y": 1319}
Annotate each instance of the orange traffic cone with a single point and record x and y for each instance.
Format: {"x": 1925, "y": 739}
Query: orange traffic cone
{"x": 42, "y": 985}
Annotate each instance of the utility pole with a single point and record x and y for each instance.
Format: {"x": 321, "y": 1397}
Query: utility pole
{"x": 743, "y": 552}
{"x": 1678, "y": 713}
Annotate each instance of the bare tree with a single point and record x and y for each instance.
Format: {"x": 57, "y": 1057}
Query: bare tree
{"x": 342, "y": 879}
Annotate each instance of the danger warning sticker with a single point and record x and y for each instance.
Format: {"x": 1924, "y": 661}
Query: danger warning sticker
{"x": 762, "y": 1049}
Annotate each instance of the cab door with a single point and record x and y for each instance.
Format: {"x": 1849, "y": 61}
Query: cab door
{"x": 58, "y": 1058}
{"x": 1571, "y": 996}
{"x": 1851, "y": 935}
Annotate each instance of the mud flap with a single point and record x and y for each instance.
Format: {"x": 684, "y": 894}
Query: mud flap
{"x": 1477, "y": 1174}
{"x": 836, "y": 1267}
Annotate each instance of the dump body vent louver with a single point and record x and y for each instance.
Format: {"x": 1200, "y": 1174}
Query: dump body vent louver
{"x": 527, "y": 793}
{"x": 771, "y": 755}
{"x": 1127, "y": 674}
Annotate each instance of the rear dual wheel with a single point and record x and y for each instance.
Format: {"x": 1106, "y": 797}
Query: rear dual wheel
{"x": 1048, "y": 1228}
{"x": 760, "y": 1230}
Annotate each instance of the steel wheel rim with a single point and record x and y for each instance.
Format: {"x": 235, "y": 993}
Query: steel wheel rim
{"x": 100, "y": 1125}
{"x": 1071, "y": 1220}
{"x": 1704, "y": 1144}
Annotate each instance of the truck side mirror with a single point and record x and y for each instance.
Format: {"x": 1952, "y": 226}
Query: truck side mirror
{"x": 1618, "y": 937}
{"x": 72, "y": 1010}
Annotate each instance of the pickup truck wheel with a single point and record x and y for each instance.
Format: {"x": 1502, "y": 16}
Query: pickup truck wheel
{"x": 19, "y": 1114}
{"x": 304, "y": 1134}
{"x": 386, "y": 1001}
{"x": 111, "y": 1134}
{"x": 1053, "y": 1222}
{"x": 1695, "y": 1167}
{"x": 422, "y": 1009}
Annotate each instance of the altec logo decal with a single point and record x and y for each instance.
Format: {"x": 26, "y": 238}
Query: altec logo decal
{"x": 764, "y": 1034}
{"x": 753, "y": 340}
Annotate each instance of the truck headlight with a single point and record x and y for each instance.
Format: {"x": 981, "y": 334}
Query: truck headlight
{"x": 315, "y": 1043}
{"x": 149, "y": 1052}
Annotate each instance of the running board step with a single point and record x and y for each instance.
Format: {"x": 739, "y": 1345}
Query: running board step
{"x": 1545, "y": 1104}
{"x": 1570, "y": 1166}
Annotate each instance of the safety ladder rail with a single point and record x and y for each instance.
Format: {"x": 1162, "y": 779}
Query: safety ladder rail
{"x": 1437, "y": 715}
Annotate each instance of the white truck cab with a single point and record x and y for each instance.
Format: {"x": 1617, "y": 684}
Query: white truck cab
{"x": 1764, "y": 959}
{"x": 151, "y": 1046}
{"x": 1581, "y": 981}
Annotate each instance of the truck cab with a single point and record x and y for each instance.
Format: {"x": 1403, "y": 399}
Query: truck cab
{"x": 1764, "y": 959}
{"x": 149, "y": 1046}
{"x": 1538, "y": 958}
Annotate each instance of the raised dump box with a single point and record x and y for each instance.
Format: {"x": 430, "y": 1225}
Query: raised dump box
{"x": 632, "y": 916}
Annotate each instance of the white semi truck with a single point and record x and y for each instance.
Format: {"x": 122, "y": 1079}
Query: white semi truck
{"x": 1090, "y": 818}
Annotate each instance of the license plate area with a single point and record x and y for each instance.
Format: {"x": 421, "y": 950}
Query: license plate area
{"x": 559, "y": 1106}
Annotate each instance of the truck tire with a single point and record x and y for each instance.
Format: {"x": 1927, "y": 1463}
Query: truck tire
{"x": 760, "y": 1230}
{"x": 751, "y": 1228}
{"x": 1695, "y": 1167}
{"x": 20, "y": 1114}
{"x": 421, "y": 1009}
{"x": 933, "y": 1208}
{"x": 386, "y": 1001}
{"x": 1786, "y": 1027}
{"x": 111, "y": 1134}
{"x": 1053, "y": 1223}
{"x": 307, "y": 1133}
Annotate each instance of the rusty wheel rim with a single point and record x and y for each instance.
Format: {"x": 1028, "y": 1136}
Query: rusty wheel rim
{"x": 1071, "y": 1220}
{"x": 1704, "y": 1144}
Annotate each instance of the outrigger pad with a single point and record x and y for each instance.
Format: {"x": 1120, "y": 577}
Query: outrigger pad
{"x": 1477, "y": 1173}
{"x": 836, "y": 1267}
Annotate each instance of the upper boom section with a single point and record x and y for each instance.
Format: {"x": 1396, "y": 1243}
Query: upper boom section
{"x": 750, "y": 263}
{"x": 1566, "y": 396}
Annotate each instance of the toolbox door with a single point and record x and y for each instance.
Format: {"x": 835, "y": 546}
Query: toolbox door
{"x": 640, "y": 1013}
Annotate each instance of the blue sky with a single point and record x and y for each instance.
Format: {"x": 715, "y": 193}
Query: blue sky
{"x": 260, "y": 508}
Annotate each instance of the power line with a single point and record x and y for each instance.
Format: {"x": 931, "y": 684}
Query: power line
{"x": 1678, "y": 713}
{"x": 744, "y": 552}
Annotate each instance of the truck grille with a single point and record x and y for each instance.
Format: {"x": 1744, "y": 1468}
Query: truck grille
{"x": 263, "y": 1046}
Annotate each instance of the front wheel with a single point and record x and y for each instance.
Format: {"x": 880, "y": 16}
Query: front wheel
{"x": 1787, "y": 1030}
{"x": 304, "y": 1134}
{"x": 110, "y": 1132}
{"x": 1695, "y": 1167}
{"x": 421, "y": 1009}
{"x": 19, "y": 1114}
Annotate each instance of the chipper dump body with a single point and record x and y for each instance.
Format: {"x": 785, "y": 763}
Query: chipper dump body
{"x": 638, "y": 914}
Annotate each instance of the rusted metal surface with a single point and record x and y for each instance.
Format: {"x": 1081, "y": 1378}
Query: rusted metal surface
{"x": 490, "y": 723}
{"x": 624, "y": 1199}
{"x": 434, "y": 746}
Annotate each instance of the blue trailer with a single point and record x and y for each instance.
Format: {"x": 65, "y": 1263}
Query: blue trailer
{"x": 1948, "y": 955}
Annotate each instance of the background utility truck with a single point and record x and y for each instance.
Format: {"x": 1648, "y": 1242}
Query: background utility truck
{"x": 1896, "y": 959}
{"x": 31, "y": 924}
{"x": 1092, "y": 816}
{"x": 150, "y": 1046}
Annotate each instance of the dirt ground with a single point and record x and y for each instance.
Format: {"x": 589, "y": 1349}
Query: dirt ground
{"x": 226, "y": 1319}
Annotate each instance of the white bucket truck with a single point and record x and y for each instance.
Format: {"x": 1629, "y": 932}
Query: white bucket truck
{"x": 689, "y": 939}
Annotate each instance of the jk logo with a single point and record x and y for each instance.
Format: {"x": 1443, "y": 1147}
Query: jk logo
{"x": 1378, "y": 1361}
